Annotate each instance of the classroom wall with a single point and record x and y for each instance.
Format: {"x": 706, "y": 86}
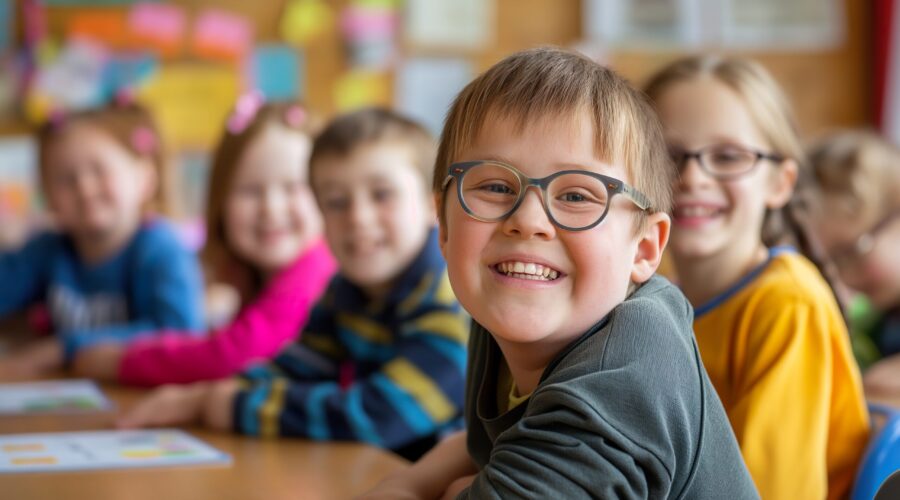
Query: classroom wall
{"x": 829, "y": 87}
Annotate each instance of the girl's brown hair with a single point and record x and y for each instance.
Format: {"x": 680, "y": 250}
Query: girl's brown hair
{"x": 129, "y": 124}
{"x": 243, "y": 127}
{"x": 773, "y": 116}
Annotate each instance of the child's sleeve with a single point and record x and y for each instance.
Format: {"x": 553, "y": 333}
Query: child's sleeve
{"x": 24, "y": 273}
{"x": 413, "y": 394}
{"x": 260, "y": 330}
{"x": 799, "y": 415}
{"x": 167, "y": 294}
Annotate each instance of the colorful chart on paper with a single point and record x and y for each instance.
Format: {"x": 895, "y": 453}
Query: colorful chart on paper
{"x": 92, "y": 450}
{"x": 55, "y": 396}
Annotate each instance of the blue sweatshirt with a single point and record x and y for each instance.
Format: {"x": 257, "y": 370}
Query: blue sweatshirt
{"x": 153, "y": 283}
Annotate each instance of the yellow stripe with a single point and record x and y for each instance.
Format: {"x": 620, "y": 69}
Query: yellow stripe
{"x": 429, "y": 396}
{"x": 444, "y": 293}
{"x": 454, "y": 326}
{"x": 415, "y": 297}
{"x": 369, "y": 330}
{"x": 323, "y": 344}
{"x": 271, "y": 409}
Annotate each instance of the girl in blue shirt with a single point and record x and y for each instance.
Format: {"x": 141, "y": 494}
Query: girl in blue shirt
{"x": 107, "y": 272}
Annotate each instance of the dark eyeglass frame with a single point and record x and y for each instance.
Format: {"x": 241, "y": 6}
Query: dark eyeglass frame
{"x": 697, "y": 154}
{"x": 847, "y": 256}
{"x": 613, "y": 187}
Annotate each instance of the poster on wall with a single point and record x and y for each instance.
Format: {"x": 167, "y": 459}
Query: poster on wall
{"x": 450, "y": 24}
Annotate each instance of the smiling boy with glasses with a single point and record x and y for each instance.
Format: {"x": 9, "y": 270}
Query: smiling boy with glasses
{"x": 552, "y": 184}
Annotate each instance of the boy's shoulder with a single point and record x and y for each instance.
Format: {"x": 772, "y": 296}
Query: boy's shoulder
{"x": 157, "y": 238}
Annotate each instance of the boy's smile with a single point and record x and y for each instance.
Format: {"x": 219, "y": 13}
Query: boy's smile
{"x": 523, "y": 278}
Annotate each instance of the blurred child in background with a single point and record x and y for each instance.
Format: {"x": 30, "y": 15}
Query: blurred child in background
{"x": 382, "y": 359}
{"x": 769, "y": 329}
{"x": 264, "y": 239}
{"x": 856, "y": 192}
{"x": 110, "y": 272}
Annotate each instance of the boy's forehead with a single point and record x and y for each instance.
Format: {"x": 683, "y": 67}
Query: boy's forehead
{"x": 566, "y": 139}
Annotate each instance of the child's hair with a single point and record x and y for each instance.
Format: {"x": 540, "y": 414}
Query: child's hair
{"x": 129, "y": 124}
{"x": 772, "y": 114}
{"x": 859, "y": 168}
{"x": 370, "y": 125}
{"x": 249, "y": 119}
{"x": 549, "y": 82}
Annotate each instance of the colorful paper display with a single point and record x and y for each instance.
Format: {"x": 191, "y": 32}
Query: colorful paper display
{"x": 221, "y": 35}
{"x": 304, "y": 21}
{"x": 276, "y": 70}
{"x": 71, "y": 451}
{"x": 58, "y": 396}
{"x": 160, "y": 26}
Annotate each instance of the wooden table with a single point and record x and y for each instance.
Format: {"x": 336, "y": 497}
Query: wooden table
{"x": 270, "y": 469}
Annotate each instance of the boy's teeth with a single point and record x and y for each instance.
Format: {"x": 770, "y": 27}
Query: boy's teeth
{"x": 527, "y": 270}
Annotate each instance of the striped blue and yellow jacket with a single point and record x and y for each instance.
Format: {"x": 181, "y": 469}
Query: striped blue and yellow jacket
{"x": 389, "y": 373}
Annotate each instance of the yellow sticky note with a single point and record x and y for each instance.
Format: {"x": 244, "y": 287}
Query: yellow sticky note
{"x": 357, "y": 89}
{"x": 191, "y": 102}
{"x": 306, "y": 20}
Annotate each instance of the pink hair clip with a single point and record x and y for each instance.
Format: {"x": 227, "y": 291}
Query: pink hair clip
{"x": 294, "y": 116}
{"x": 144, "y": 140}
{"x": 245, "y": 111}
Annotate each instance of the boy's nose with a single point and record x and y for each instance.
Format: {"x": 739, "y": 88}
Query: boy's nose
{"x": 530, "y": 220}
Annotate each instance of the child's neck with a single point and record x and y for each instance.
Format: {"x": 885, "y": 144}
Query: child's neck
{"x": 527, "y": 362}
{"x": 704, "y": 279}
{"x": 96, "y": 248}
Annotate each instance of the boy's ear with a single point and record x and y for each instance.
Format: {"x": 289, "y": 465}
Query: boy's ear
{"x": 650, "y": 246}
{"x": 781, "y": 185}
{"x": 442, "y": 227}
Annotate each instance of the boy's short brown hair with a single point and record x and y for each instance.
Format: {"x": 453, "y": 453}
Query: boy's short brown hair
{"x": 348, "y": 132}
{"x": 550, "y": 82}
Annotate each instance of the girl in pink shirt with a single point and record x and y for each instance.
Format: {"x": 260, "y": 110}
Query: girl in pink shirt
{"x": 264, "y": 238}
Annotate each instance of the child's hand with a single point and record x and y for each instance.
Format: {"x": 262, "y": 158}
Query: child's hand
{"x": 168, "y": 405}
{"x": 457, "y": 486}
{"x": 393, "y": 487}
{"x": 883, "y": 379}
{"x": 100, "y": 361}
{"x": 217, "y": 413}
{"x": 33, "y": 361}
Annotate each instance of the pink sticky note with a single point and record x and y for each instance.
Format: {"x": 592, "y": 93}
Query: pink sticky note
{"x": 158, "y": 20}
{"x": 221, "y": 35}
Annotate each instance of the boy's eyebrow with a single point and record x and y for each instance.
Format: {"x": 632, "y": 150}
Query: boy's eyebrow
{"x": 563, "y": 164}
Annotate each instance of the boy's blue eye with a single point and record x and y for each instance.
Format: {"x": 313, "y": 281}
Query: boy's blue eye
{"x": 497, "y": 188}
{"x": 575, "y": 197}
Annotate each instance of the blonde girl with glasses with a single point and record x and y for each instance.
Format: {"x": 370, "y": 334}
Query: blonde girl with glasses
{"x": 769, "y": 329}
{"x": 855, "y": 188}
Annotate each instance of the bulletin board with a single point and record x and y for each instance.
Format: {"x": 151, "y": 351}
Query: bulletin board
{"x": 830, "y": 87}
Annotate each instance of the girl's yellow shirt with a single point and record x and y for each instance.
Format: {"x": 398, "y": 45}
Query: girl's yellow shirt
{"x": 778, "y": 353}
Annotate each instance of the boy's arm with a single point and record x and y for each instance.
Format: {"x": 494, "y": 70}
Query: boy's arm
{"x": 258, "y": 333}
{"x": 23, "y": 273}
{"x": 431, "y": 475}
{"x": 413, "y": 394}
{"x": 565, "y": 448}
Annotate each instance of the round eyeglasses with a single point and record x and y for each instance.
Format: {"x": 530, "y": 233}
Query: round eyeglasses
{"x": 574, "y": 200}
{"x": 723, "y": 161}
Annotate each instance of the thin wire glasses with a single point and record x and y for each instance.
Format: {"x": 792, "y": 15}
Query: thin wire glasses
{"x": 723, "y": 161}
{"x": 574, "y": 200}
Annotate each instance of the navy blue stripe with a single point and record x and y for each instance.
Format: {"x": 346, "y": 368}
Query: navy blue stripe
{"x": 743, "y": 282}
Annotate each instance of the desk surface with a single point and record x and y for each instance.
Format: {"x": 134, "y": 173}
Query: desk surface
{"x": 271, "y": 469}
